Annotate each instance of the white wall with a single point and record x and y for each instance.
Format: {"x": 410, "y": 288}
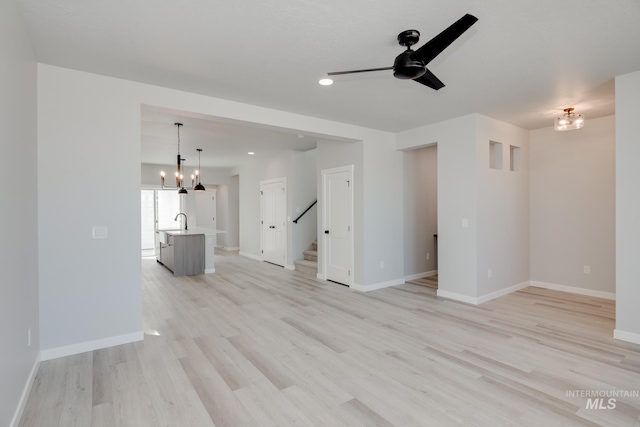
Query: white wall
{"x": 232, "y": 193}
{"x": 299, "y": 168}
{"x": 627, "y": 206}
{"x": 279, "y": 166}
{"x": 90, "y": 289}
{"x": 573, "y": 206}
{"x": 420, "y": 210}
{"x": 383, "y": 212}
{"x": 19, "y": 245}
{"x": 457, "y": 179}
{"x": 493, "y": 204}
{"x": 90, "y": 293}
{"x": 503, "y": 209}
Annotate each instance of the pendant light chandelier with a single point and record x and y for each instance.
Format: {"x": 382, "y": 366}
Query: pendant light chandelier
{"x": 179, "y": 176}
{"x": 568, "y": 121}
{"x": 198, "y": 187}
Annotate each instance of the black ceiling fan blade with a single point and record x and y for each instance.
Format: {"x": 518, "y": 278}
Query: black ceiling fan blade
{"x": 338, "y": 73}
{"x": 436, "y": 45}
{"x": 430, "y": 80}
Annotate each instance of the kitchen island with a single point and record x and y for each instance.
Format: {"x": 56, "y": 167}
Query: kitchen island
{"x": 187, "y": 252}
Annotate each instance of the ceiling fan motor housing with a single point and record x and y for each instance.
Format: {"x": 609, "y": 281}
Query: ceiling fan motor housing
{"x": 405, "y": 67}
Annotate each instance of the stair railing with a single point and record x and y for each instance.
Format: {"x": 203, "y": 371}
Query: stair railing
{"x": 295, "y": 221}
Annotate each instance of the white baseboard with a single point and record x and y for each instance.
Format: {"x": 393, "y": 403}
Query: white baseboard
{"x": 457, "y": 297}
{"x": 290, "y": 267}
{"x": 626, "y": 336}
{"x": 228, "y": 249}
{"x": 209, "y": 270}
{"x": 25, "y": 393}
{"x": 376, "y": 286}
{"x": 83, "y": 347}
{"x": 501, "y": 292}
{"x": 250, "y": 256}
{"x": 484, "y": 298}
{"x": 420, "y": 275}
{"x": 321, "y": 276}
{"x": 573, "y": 290}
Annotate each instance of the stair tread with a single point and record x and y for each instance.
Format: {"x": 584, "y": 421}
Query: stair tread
{"x": 310, "y": 252}
{"x": 306, "y": 262}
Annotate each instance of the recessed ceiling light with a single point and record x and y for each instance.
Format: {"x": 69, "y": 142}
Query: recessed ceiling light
{"x": 326, "y": 82}
{"x": 251, "y": 153}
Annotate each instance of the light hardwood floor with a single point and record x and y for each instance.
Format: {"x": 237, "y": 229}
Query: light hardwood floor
{"x": 257, "y": 345}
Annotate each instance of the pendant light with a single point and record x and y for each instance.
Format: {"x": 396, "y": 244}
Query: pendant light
{"x": 199, "y": 186}
{"x": 179, "y": 177}
{"x": 568, "y": 121}
{"x": 179, "y": 160}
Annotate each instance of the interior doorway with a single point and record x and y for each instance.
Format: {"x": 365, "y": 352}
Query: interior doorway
{"x": 273, "y": 220}
{"x": 421, "y": 213}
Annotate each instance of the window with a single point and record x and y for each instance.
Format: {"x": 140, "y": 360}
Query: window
{"x": 167, "y": 207}
{"x": 158, "y": 210}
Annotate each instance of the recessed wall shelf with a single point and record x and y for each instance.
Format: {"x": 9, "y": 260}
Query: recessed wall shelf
{"x": 495, "y": 155}
{"x": 514, "y": 158}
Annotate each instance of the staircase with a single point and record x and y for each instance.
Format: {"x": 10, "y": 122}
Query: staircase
{"x": 309, "y": 265}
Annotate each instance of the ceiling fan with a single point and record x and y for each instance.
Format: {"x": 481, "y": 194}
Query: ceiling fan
{"x": 412, "y": 64}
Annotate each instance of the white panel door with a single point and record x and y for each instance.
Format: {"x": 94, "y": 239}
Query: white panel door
{"x": 273, "y": 199}
{"x": 206, "y": 210}
{"x": 338, "y": 208}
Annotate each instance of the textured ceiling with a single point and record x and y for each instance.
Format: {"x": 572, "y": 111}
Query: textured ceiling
{"x": 522, "y": 62}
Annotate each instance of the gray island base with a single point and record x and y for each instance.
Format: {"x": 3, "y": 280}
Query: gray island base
{"x": 187, "y": 252}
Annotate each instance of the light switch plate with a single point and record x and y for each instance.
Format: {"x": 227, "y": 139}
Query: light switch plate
{"x": 99, "y": 232}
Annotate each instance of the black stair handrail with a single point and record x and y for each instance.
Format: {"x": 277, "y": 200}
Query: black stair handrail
{"x": 295, "y": 221}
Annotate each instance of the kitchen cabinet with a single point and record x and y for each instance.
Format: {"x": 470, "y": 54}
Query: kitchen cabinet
{"x": 182, "y": 252}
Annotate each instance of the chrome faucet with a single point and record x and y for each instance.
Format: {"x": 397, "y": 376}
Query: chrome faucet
{"x": 186, "y": 227}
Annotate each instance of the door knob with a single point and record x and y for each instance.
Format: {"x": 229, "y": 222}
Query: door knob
{"x": 326, "y": 231}
{"x": 272, "y": 226}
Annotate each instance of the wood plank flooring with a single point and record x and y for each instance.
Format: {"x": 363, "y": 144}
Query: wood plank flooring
{"x": 257, "y": 345}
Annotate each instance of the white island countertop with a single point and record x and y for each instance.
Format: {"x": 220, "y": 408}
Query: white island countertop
{"x": 196, "y": 230}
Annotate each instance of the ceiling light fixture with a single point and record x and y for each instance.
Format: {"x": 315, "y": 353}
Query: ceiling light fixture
{"x": 251, "y": 153}
{"x": 569, "y": 120}
{"x": 326, "y": 82}
{"x": 179, "y": 177}
{"x": 198, "y": 187}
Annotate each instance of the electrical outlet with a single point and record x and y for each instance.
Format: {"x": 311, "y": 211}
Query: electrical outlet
{"x": 29, "y": 337}
{"x": 465, "y": 222}
{"x": 587, "y": 269}
{"x": 381, "y": 264}
{"x": 489, "y": 273}
{"x": 428, "y": 256}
